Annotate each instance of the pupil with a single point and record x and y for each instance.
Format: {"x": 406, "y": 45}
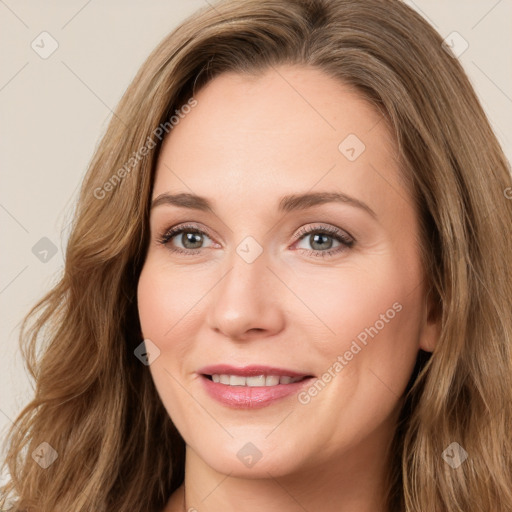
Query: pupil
{"x": 320, "y": 235}
{"x": 189, "y": 237}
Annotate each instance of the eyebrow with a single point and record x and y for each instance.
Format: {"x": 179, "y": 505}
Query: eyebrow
{"x": 287, "y": 203}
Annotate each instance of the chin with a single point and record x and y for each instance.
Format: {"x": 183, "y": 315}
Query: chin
{"x": 250, "y": 459}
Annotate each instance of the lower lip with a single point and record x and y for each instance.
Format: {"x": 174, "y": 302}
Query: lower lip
{"x": 251, "y": 397}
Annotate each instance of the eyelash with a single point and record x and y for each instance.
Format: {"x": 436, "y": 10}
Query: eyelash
{"x": 345, "y": 240}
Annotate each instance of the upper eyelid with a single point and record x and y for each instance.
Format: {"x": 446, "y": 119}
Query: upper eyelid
{"x": 329, "y": 229}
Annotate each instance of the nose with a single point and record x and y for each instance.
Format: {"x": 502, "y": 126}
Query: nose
{"x": 247, "y": 301}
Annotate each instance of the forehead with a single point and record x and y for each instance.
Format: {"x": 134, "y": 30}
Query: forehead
{"x": 289, "y": 129}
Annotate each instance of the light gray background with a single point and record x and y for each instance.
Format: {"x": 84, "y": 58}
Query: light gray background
{"x": 55, "y": 110}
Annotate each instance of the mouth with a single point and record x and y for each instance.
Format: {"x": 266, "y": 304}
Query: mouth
{"x": 253, "y": 386}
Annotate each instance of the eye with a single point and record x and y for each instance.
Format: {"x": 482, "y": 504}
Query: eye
{"x": 189, "y": 240}
{"x": 321, "y": 240}
{"x": 189, "y": 236}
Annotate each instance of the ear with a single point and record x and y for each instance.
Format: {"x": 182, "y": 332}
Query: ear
{"x": 431, "y": 323}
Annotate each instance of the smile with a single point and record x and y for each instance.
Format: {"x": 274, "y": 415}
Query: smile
{"x": 254, "y": 392}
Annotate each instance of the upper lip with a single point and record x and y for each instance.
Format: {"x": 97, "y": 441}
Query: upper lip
{"x": 250, "y": 371}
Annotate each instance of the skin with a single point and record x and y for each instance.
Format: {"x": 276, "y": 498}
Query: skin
{"x": 249, "y": 141}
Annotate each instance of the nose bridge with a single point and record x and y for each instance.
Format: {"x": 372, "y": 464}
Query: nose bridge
{"x": 244, "y": 299}
{"x": 246, "y": 273}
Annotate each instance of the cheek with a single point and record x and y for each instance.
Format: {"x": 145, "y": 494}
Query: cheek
{"x": 371, "y": 317}
{"x": 356, "y": 302}
{"x": 168, "y": 307}
{"x": 369, "y": 349}
{"x": 166, "y": 302}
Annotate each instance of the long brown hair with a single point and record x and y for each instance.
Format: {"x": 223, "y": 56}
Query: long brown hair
{"x": 95, "y": 404}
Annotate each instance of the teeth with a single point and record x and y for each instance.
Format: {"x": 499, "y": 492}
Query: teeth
{"x": 271, "y": 380}
{"x": 257, "y": 380}
{"x": 236, "y": 380}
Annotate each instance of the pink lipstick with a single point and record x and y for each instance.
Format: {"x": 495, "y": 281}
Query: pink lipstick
{"x": 253, "y": 386}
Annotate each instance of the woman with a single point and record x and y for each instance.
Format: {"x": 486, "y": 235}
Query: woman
{"x": 205, "y": 352}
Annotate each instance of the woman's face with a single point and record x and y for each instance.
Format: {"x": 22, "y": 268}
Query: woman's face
{"x": 269, "y": 277}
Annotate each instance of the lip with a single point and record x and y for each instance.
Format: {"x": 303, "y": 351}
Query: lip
{"x": 250, "y": 397}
